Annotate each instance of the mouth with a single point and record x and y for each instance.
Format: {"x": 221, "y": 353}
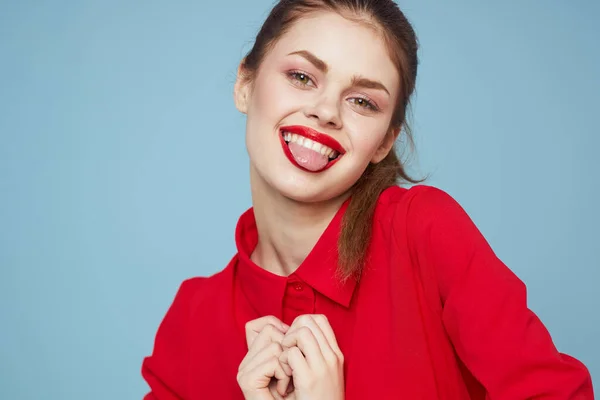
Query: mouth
{"x": 308, "y": 149}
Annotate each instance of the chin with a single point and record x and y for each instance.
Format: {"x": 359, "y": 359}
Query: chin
{"x": 306, "y": 188}
{"x": 312, "y": 195}
{"x": 279, "y": 176}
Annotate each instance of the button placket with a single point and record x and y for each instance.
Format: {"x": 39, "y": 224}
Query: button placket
{"x": 299, "y": 299}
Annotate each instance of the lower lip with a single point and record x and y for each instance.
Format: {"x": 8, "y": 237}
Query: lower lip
{"x": 290, "y": 156}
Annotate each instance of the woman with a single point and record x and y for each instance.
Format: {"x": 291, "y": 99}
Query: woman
{"x": 345, "y": 285}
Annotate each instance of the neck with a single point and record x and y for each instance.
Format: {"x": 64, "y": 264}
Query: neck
{"x": 287, "y": 229}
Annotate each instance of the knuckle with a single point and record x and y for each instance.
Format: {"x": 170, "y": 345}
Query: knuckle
{"x": 292, "y": 352}
{"x": 303, "y": 319}
{"x": 268, "y": 331}
{"x": 272, "y": 321}
{"x": 331, "y": 359}
{"x": 321, "y": 318}
{"x": 273, "y": 331}
{"x": 274, "y": 348}
{"x": 256, "y": 323}
{"x": 272, "y": 362}
{"x": 240, "y": 378}
{"x": 275, "y": 334}
{"x": 241, "y": 367}
{"x": 297, "y": 352}
{"x": 304, "y": 331}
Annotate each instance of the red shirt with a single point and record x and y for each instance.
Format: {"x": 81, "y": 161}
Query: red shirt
{"x": 435, "y": 315}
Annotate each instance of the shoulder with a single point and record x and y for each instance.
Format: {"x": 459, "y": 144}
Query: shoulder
{"x": 422, "y": 213}
{"x": 195, "y": 291}
{"x": 420, "y": 202}
{"x": 395, "y": 195}
{"x": 428, "y": 217}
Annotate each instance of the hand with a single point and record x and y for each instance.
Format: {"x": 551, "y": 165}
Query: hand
{"x": 316, "y": 361}
{"x": 261, "y": 364}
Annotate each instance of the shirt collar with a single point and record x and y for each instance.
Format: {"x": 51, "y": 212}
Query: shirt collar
{"x": 265, "y": 290}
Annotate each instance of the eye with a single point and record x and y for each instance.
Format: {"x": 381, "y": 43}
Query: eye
{"x": 364, "y": 103}
{"x": 300, "y": 78}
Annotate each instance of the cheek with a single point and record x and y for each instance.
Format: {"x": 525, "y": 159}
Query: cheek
{"x": 273, "y": 97}
{"x": 366, "y": 136}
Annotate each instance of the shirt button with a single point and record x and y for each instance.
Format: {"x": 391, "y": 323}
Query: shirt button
{"x": 299, "y": 287}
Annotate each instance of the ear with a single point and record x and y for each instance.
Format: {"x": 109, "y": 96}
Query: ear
{"x": 241, "y": 90}
{"x": 386, "y": 145}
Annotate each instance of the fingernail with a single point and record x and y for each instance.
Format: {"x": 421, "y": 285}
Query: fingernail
{"x": 285, "y": 326}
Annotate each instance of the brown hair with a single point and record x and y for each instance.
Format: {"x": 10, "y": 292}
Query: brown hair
{"x": 396, "y": 30}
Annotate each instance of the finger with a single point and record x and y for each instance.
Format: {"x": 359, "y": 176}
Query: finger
{"x": 286, "y": 367}
{"x": 283, "y": 383}
{"x": 254, "y": 327}
{"x": 304, "y": 339}
{"x": 297, "y": 362}
{"x": 272, "y": 350}
{"x": 268, "y": 336}
{"x": 259, "y": 377}
{"x": 327, "y": 330}
{"x": 310, "y": 321}
{"x": 275, "y": 392}
{"x": 278, "y": 373}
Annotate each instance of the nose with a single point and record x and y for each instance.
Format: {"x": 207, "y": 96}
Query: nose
{"x": 325, "y": 112}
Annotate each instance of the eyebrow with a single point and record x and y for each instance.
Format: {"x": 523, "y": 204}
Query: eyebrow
{"x": 314, "y": 60}
{"x": 322, "y": 66}
{"x": 369, "y": 84}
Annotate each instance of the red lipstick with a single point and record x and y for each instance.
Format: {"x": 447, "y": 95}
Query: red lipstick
{"x": 313, "y": 135}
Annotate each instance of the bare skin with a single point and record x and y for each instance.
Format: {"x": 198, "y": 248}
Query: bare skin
{"x": 301, "y": 362}
{"x": 349, "y": 93}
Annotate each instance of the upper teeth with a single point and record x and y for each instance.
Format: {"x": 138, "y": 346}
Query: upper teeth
{"x": 310, "y": 144}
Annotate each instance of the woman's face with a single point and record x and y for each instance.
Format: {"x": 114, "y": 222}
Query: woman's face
{"x": 327, "y": 87}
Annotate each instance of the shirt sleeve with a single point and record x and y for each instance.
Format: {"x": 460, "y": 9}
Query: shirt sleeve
{"x": 165, "y": 370}
{"x": 502, "y": 343}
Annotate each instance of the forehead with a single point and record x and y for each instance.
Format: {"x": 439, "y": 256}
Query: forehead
{"x": 348, "y": 47}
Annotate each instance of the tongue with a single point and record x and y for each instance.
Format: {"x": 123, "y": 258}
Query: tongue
{"x": 309, "y": 159}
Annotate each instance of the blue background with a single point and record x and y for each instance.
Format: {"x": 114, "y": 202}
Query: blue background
{"x": 123, "y": 168}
